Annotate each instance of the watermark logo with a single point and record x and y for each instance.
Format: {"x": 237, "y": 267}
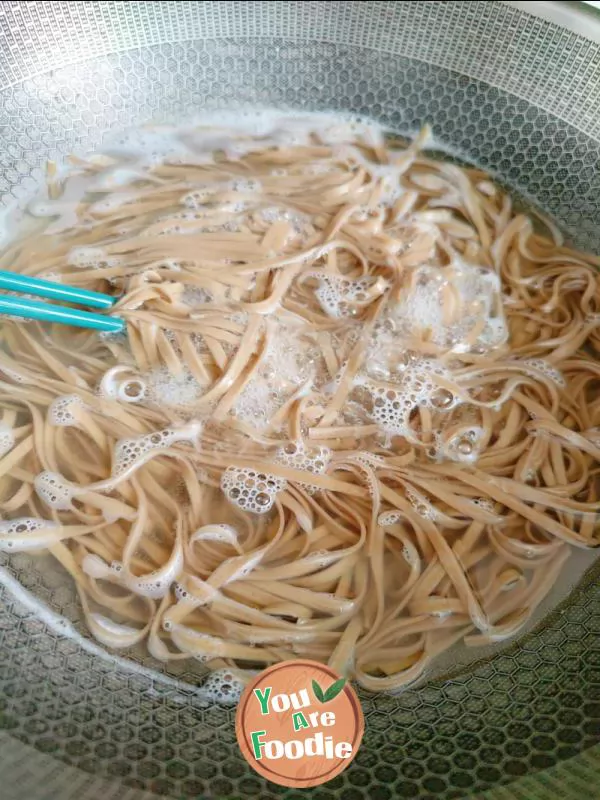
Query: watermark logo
{"x": 299, "y": 723}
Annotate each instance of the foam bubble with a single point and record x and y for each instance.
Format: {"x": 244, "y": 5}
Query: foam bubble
{"x": 298, "y": 456}
{"x": 484, "y": 503}
{"x": 177, "y": 391}
{"x": 421, "y": 505}
{"x": 91, "y": 258}
{"x": 340, "y": 296}
{"x": 128, "y": 451}
{"x": 11, "y": 532}
{"x": 445, "y": 304}
{"x": 393, "y": 403}
{"x": 389, "y": 518}
{"x": 370, "y": 460}
{"x": 199, "y": 196}
{"x": 464, "y": 446}
{"x": 548, "y": 369}
{"x": 121, "y": 383}
{"x": 60, "y": 411}
{"x": 55, "y": 491}
{"x": 287, "y": 365}
{"x": 251, "y": 490}
{"x": 14, "y": 376}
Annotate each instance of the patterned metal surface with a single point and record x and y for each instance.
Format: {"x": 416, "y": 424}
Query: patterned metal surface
{"x": 516, "y": 95}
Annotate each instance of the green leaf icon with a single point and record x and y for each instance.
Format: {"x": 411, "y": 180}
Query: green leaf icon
{"x": 334, "y": 689}
{"x": 318, "y": 692}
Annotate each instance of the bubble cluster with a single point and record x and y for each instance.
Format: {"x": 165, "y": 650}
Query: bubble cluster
{"x": 13, "y": 376}
{"x": 421, "y": 504}
{"x": 249, "y": 185}
{"x": 340, "y": 296}
{"x": 464, "y": 446}
{"x": 370, "y": 460}
{"x": 128, "y": 451}
{"x": 91, "y": 258}
{"x": 199, "y": 196}
{"x": 251, "y": 490}
{"x": 484, "y": 503}
{"x": 298, "y": 456}
{"x": 176, "y": 391}
{"x": 25, "y": 525}
{"x": 389, "y": 518}
{"x": 548, "y": 369}
{"x": 393, "y": 403}
{"x": 60, "y": 411}
{"x": 221, "y": 686}
{"x": 473, "y": 293}
{"x": 22, "y": 527}
{"x": 122, "y": 383}
{"x": 55, "y": 491}
{"x": 287, "y": 364}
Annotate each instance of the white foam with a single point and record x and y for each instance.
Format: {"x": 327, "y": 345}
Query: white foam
{"x": 389, "y": 518}
{"x": 121, "y": 383}
{"x": 393, "y": 403}
{"x": 91, "y": 258}
{"x": 176, "y": 391}
{"x": 60, "y": 411}
{"x": 340, "y": 296}
{"x": 474, "y": 292}
{"x": 548, "y": 369}
{"x": 464, "y": 446}
{"x": 14, "y": 376}
{"x": 251, "y": 490}
{"x": 298, "y": 456}
{"x": 128, "y": 451}
{"x": 17, "y": 535}
{"x": 287, "y": 365}
{"x": 55, "y": 491}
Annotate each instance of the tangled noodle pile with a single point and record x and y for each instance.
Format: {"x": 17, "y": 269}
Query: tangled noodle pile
{"x": 354, "y": 418}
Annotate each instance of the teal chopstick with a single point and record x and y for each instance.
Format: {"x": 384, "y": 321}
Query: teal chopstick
{"x": 29, "y": 309}
{"x": 14, "y": 282}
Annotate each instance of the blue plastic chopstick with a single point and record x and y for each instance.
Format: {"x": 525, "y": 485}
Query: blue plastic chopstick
{"x": 46, "y": 312}
{"x": 29, "y": 309}
{"x": 53, "y": 291}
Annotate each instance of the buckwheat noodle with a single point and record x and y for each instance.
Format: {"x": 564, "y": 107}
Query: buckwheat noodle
{"x": 354, "y": 418}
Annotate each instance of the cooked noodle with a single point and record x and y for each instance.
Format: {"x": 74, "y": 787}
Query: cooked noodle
{"x": 354, "y": 418}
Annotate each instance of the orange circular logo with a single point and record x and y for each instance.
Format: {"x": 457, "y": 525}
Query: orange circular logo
{"x": 299, "y": 723}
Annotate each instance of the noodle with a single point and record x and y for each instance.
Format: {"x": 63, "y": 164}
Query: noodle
{"x": 355, "y": 417}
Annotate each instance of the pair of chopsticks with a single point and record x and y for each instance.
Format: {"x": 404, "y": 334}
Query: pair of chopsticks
{"x": 47, "y": 312}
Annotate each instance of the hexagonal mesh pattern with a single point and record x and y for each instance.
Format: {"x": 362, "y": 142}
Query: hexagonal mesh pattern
{"x": 523, "y": 710}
